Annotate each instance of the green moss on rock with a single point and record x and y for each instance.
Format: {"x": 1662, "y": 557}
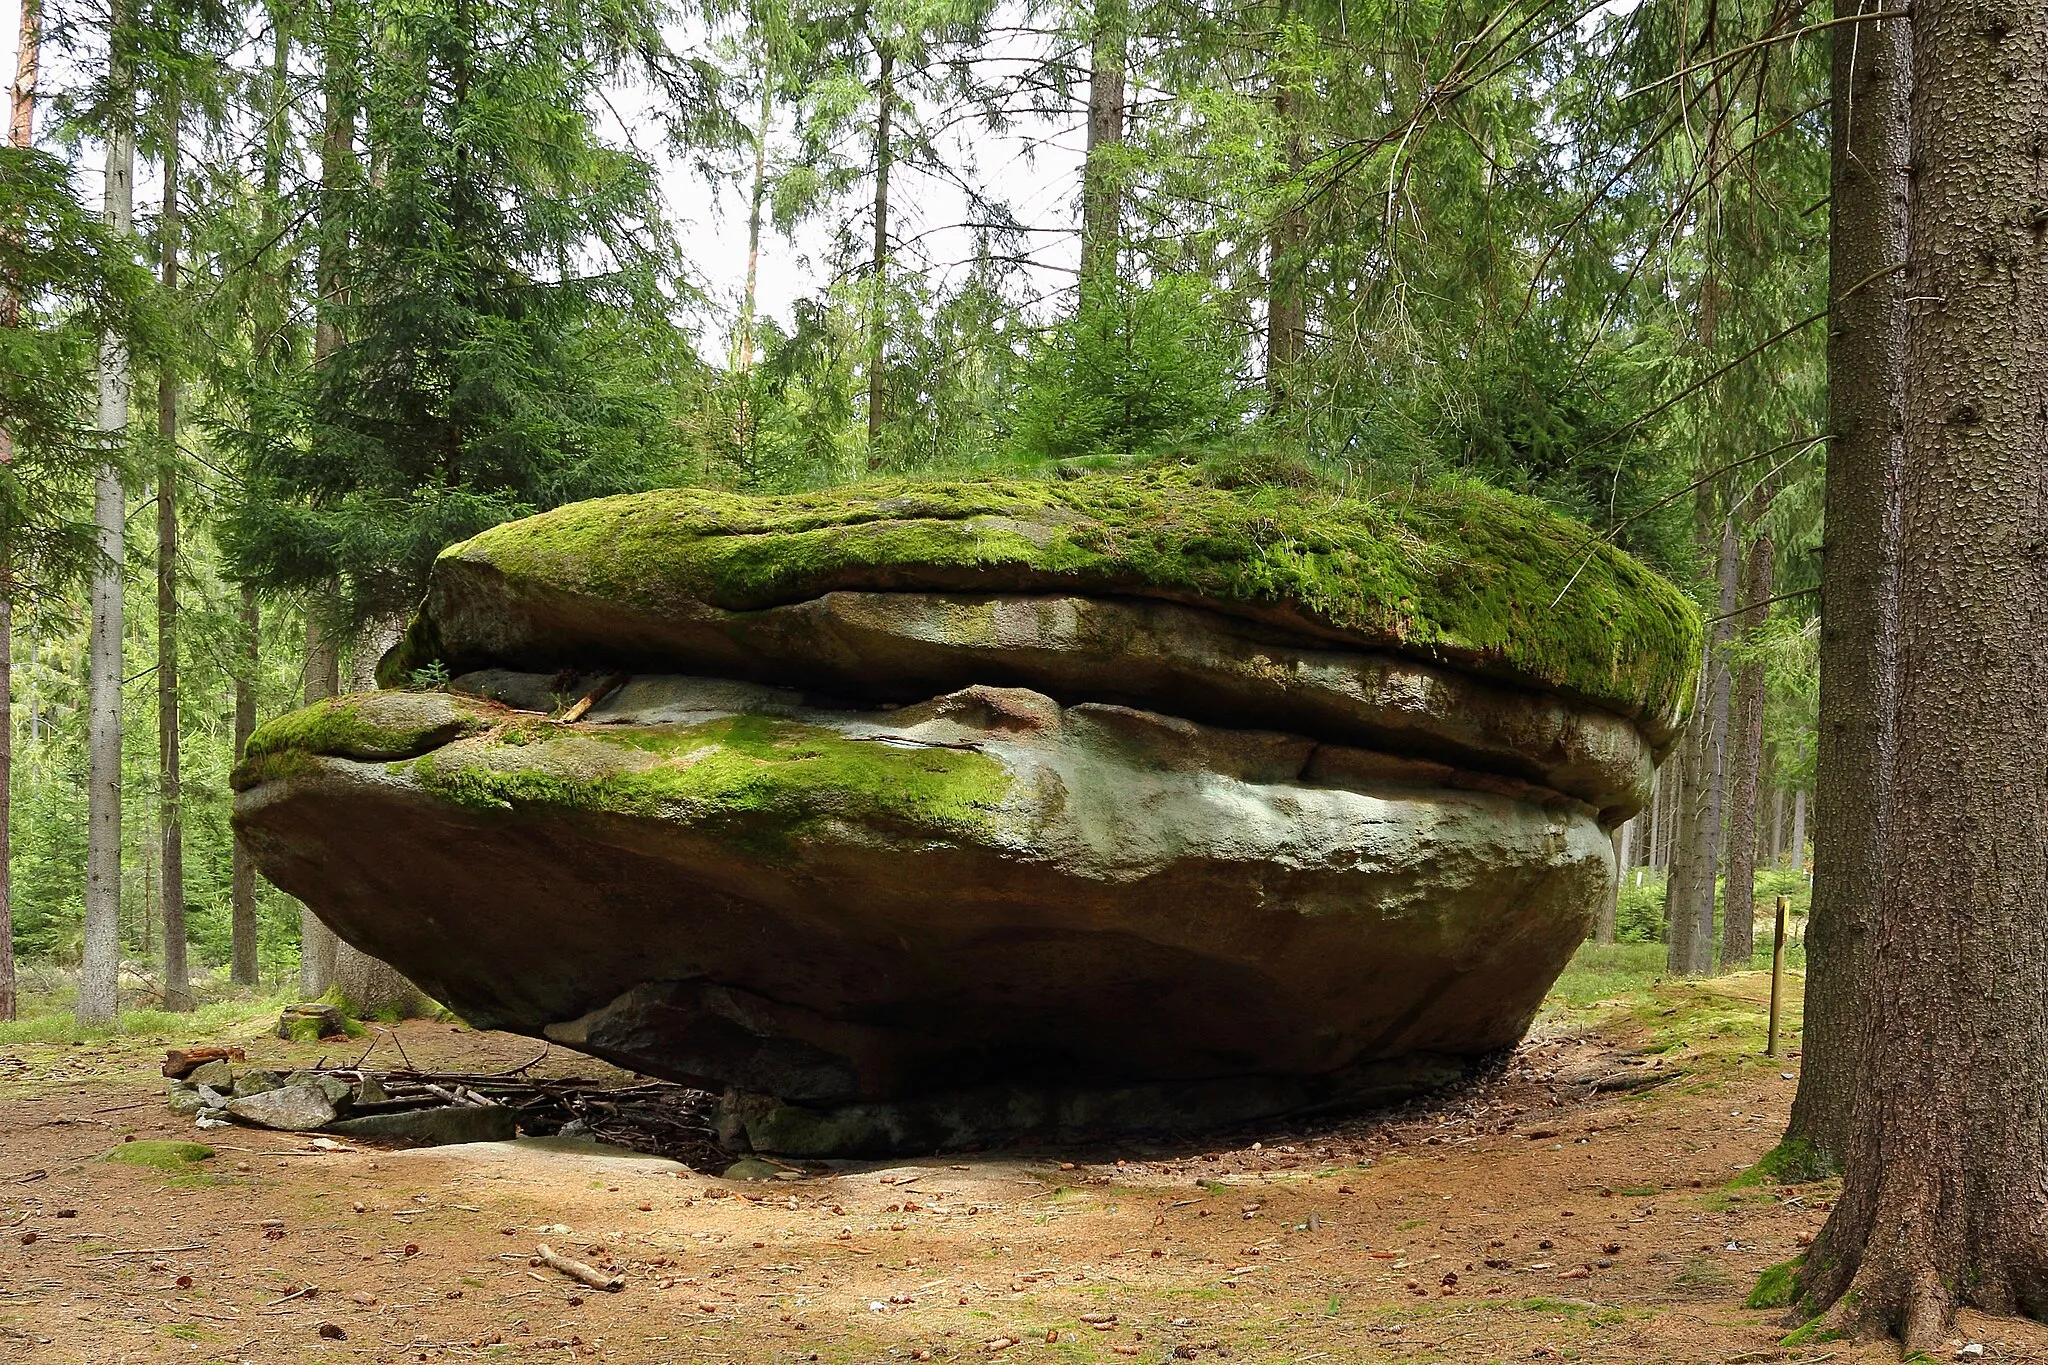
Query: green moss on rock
{"x": 373, "y": 726}
{"x": 1467, "y": 574}
{"x": 760, "y": 778}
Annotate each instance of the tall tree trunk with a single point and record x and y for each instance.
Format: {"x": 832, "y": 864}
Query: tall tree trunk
{"x": 1866, "y": 348}
{"x": 754, "y": 210}
{"x": 1738, "y": 919}
{"x": 1777, "y": 826}
{"x": 1286, "y": 300}
{"x": 1799, "y": 865}
{"x": 1101, "y": 190}
{"x": 1603, "y": 924}
{"x": 244, "y": 971}
{"x": 1657, "y": 784}
{"x": 1691, "y": 897}
{"x": 171, "y": 821}
{"x": 1944, "y": 1197}
{"x": 100, "y": 972}
{"x": 374, "y": 988}
{"x": 878, "y": 267}
{"x": 21, "y": 124}
{"x": 317, "y": 942}
{"x": 337, "y": 178}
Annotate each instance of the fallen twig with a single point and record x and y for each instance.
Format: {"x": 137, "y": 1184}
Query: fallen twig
{"x": 578, "y": 1271}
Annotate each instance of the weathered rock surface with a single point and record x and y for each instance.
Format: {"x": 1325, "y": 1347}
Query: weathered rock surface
{"x": 1056, "y": 825}
{"x": 442, "y": 1126}
{"x": 294, "y": 1108}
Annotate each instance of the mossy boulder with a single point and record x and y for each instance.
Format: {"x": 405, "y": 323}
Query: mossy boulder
{"x": 924, "y": 815}
{"x": 1482, "y": 580}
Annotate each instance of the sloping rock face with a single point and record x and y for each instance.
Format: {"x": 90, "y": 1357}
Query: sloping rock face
{"x": 934, "y": 815}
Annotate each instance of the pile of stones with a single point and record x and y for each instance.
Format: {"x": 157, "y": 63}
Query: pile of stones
{"x": 217, "y": 1094}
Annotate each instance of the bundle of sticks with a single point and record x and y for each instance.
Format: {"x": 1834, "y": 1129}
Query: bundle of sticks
{"x": 658, "y": 1117}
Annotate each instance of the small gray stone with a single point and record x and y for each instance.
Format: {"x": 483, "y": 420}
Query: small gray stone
{"x": 255, "y": 1082}
{"x": 435, "y": 1127}
{"x": 371, "y": 1091}
{"x": 211, "y": 1098}
{"x": 216, "y": 1073}
{"x": 186, "y": 1103}
{"x": 293, "y": 1108}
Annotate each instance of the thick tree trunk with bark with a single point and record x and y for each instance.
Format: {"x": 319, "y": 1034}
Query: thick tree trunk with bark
{"x": 1738, "y": 919}
{"x": 1872, "y": 75}
{"x": 244, "y": 971}
{"x": 177, "y": 988}
{"x": 100, "y": 971}
{"x": 1101, "y": 192}
{"x": 1945, "y": 1187}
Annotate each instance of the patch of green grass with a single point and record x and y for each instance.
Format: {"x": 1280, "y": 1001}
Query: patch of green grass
{"x": 219, "y": 1018}
{"x": 1412, "y": 1225}
{"x": 1812, "y": 1334}
{"x": 178, "y": 1158}
{"x": 1608, "y": 971}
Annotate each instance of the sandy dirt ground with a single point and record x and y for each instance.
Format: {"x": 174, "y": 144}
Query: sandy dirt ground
{"x": 1583, "y": 1204}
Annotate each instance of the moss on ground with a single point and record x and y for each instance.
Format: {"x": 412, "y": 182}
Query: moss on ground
{"x": 763, "y": 778}
{"x": 1777, "y": 1287}
{"x": 177, "y": 1158}
{"x": 1477, "y": 576}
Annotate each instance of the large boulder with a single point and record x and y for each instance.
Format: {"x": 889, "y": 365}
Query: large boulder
{"x": 927, "y": 815}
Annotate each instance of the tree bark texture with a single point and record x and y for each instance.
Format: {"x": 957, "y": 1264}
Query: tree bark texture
{"x": 244, "y": 971}
{"x": 177, "y": 986}
{"x": 1101, "y": 190}
{"x": 1738, "y": 919}
{"x": 1944, "y": 1200}
{"x": 100, "y": 970}
{"x": 1872, "y": 75}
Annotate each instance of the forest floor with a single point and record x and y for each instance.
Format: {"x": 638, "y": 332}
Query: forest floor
{"x": 1529, "y": 1216}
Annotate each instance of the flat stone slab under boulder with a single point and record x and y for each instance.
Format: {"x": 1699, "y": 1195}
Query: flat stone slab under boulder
{"x": 931, "y": 815}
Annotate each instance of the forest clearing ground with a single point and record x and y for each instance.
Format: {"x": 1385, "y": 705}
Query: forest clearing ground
{"x": 1531, "y": 1216}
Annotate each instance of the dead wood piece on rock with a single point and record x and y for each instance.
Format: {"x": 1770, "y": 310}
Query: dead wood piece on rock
{"x": 578, "y": 1271}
